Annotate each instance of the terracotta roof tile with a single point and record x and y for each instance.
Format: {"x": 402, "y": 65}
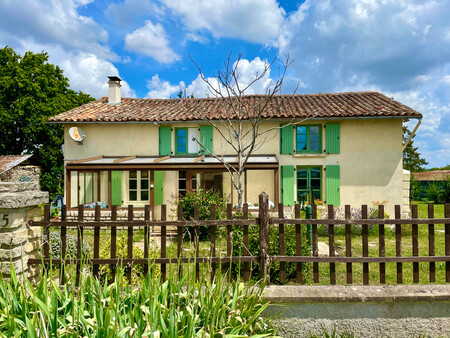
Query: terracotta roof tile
{"x": 340, "y": 105}
{"x": 435, "y": 175}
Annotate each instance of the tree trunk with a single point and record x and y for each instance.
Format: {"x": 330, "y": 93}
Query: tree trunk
{"x": 239, "y": 191}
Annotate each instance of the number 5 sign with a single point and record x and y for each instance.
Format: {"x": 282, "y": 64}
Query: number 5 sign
{"x": 4, "y": 220}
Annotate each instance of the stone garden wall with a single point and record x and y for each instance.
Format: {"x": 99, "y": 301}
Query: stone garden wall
{"x": 19, "y": 202}
{"x": 24, "y": 173}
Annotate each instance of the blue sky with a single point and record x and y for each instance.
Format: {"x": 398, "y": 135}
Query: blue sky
{"x": 400, "y": 48}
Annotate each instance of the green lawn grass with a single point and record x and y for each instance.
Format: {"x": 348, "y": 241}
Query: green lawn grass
{"x": 391, "y": 268}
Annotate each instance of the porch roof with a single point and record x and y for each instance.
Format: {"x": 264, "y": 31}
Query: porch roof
{"x": 169, "y": 162}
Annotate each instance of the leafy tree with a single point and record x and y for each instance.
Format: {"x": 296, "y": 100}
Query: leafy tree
{"x": 411, "y": 157}
{"x": 31, "y": 91}
{"x": 415, "y": 189}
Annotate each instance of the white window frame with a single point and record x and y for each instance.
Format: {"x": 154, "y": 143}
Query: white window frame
{"x": 138, "y": 189}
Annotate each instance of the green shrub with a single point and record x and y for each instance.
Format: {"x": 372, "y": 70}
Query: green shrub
{"x": 122, "y": 252}
{"x": 274, "y": 238}
{"x": 439, "y": 192}
{"x": 434, "y": 192}
{"x": 445, "y": 193}
{"x": 204, "y": 198}
{"x": 415, "y": 189}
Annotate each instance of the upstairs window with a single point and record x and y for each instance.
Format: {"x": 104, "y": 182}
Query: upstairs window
{"x": 309, "y": 139}
{"x": 185, "y": 141}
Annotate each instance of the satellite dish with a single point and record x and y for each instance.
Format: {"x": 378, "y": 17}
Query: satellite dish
{"x": 77, "y": 134}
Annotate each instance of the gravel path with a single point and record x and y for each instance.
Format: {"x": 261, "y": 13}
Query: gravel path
{"x": 363, "y": 327}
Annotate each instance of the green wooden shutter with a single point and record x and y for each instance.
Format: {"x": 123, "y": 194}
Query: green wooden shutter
{"x": 159, "y": 187}
{"x": 286, "y": 139}
{"x": 333, "y": 138}
{"x": 116, "y": 187}
{"x": 206, "y": 138}
{"x": 165, "y": 141}
{"x": 288, "y": 184}
{"x": 333, "y": 184}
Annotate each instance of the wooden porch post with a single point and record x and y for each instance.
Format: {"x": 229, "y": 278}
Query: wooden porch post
{"x": 188, "y": 181}
{"x": 68, "y": 187}
{"x": 109, "y": 190}
{"x": 98, "y": 185}
{"x": 276, "y": 185}
{"x": 78, "y": 188}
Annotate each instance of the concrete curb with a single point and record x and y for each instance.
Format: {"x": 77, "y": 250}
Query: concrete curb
{"x": 352, "y": 293}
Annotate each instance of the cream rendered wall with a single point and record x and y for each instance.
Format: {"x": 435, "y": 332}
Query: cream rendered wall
{"x": 371, "y": 162}
{"x": 113, "y": 139}
{"x": 370, "y": 159}
{"x": 259, "y": 181}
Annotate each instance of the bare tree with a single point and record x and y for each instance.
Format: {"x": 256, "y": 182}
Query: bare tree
{"x": 239, "y": 121}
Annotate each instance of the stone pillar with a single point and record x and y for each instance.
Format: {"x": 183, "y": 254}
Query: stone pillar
{"x": 19, "y": 203}
{"x": 405, "y": 193}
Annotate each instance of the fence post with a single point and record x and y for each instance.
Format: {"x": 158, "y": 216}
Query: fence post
{"x": 447, "y": 241}
{"x": 264, "y": 236}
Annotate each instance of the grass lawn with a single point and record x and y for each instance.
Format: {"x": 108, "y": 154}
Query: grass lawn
{"x": 391, "y": 268}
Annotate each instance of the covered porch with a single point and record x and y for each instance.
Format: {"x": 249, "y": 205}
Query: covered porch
{"x": 156, "y": 180}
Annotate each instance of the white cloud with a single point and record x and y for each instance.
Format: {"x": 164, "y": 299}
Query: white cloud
{"x": 246, "y": 70}
{"x": 252, "y": 20}
{"x": 76, "y": 43}
{"x": 53, "y": 22}
{"x": 162, "y": 89}
{"x": 397, "y": 47}
{"x": 89, "y": 73}
{"x": 387, "y": 43}
{"x": 196, "y": 38}
{"x": 151, "y": 40}
{"x": 86, "y": 71}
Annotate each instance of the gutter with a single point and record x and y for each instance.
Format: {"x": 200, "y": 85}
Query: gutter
{"x": 412, "y": 134}
{"x": 269, "y": 120}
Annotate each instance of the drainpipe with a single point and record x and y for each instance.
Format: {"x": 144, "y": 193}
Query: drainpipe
{"x": 412, "y": 135}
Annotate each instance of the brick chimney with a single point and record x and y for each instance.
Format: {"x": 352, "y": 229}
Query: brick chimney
{"x": 114, "y": 90}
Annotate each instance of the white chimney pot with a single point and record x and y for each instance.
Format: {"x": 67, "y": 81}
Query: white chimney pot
{"x": 114, "y": 90}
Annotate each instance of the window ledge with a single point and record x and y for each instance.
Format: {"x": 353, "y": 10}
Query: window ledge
{"x": 310, "y": 155}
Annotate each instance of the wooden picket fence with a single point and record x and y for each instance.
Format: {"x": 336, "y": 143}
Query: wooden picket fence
{"x": 264, "y": 221}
